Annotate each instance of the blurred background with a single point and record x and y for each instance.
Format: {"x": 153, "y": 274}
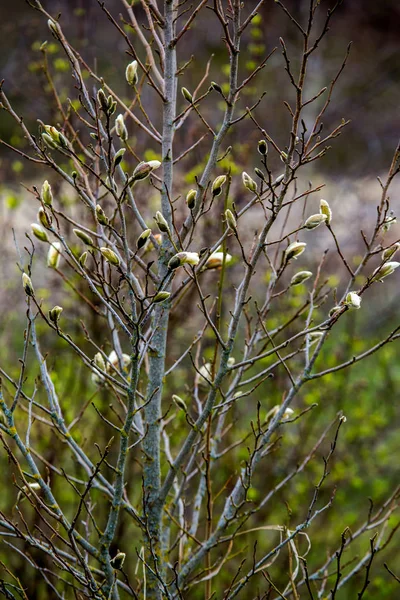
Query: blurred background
{"x": 368, "y": 94}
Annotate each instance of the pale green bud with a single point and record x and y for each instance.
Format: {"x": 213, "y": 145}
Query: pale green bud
{"x": 52, "y": 25}
{"x": 205, "y": 375}
{"x": 230, "y": 220}
{"x": 248, "y": 182}
{"x": 294, "y": 250}
{"x": 353, "y": 300}
{"x": 27, "y": 285}
{"x": 131, "y": 73}
{"x": 391, "y": 251}
{"x": 54, "y": 314}
{"x": 216, "y": 260}
{"x": 46, "y": 194}
{"x": 216, "y": 187}
{"x": 99, "y": 361}
{"x": 300, "y": 277}
{"x": 179, "y": 402}
{"x": 48, "y": 140}
{"x": 84, "y": 237}
{"x": 44, "y": 218}
{"x": 279, "y": 180}
{"x": 110, "y": 256}
{"x": 186, "y": 94}
{"x": 191, "y": 199}
{"x": 231, "y": 362}
{"x": 39, "y": 232}
{"x": 83, "y": 259}
{"x": 314, "y": 337}
{"x": 119, "y": 156}
{"x": 385, "y": 270}
{"x": 161, "y": 222}
{"x": 262, "y": 147}
{"x": 388, "y": 222}
{"x": 334, "y": 310}
{"x": 161, "y": 297}
{"x": 101, "y": 216}
{"x": 216, "y": 87}
{"x": 259, "y": 173}
{"x": 120, "y": 128}
{"x": 142, "y": 239}
{"x": 315, "y": 220}
{"x": 284, "y": 156}
{"x": 325, "y": 209}
{"x": 54, "y": 255}
{"x": 144, "y": 169}
{"x": 102, "y": 100}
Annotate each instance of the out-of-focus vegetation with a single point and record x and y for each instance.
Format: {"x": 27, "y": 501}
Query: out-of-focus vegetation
{"x": 364, "y": 469}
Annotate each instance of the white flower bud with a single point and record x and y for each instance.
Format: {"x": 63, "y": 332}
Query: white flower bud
{"x": 110, "y": 256}
{"x": 353, "y": 300}
{"x": 325, "y": 209}
{"x": 54, "y": 314}
{"x": 131, "y": 73}
{"x": 144, "y": 169}
{"x": 191, "y": 198}
{"x": 314, "y": 337}
{"x": 184, "y": 258}
{"x": 179, "y": 402}
{"x": 142, "y": 239}
{"x": 385, "y": 270}
{"x": 315, "y": 220}
{"x": 44, "y": 218}
{"x": 119, "y": 156}
{"x": 120, "y": 128}
{"x": 248, "y": 182}
{"x": 39, "y": 232}
{"x": 216, "y": 260}
{"x": 205, "y": 375}
{"x": 231, "y": 362}
{"x": 294, "y": 250}
{"x": 113, "y": 361}
{"x": 54, "y": 255}
{"x": 99, "y": 361}
{"x": 300, "y": 277}
{"x": 84, "y": 237}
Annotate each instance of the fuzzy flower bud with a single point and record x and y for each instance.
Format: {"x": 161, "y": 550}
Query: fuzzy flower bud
{"x": 101, "y": 216}
{"x": 142, "y": 239}
{"x": 84, "y": 237}
{"x": 216, "y": 187}
{"x": 215, "y": 86}
{"x": 131, "y": 73}
{"x": 294, "y": 250}
{"x": 186, "y": 94}
{"x": 184, "y": 258}
{"x": 99, "y": 361}
{"x": 391, "y": 251}
{"x": 353, "y": 300}
{"x": 82, "y": 259}
{"x": 110, "y": 256}
{"x": 144, "y": 169}
{"x": 216, "y": 260}
{"x": 118, "y": 561}
{"x": 315, "y": 220}
{"x": 325, "y": 209}
{"x": 44, "y": 218}
{"x": 279, "y": 180}
{"x": 39, "y": 232}
{"x": 259, "y": 173}
{"x": 49, "y": 141}
{"x": 102, "y": 100}
{"x": 314, "y": 337}
{"x": 248, "y": 182}
{"x": 46, "y": 194}
{"x": 119, "y": 156}
{"x": 161, "y": 297}
{"x": 191, "y": 199}
{"x": 120, "y": 128}
{"x": 205, "y": 375}
{"x": 385, "y": 270}
{"x": 27, "y": 285}
{"x": 179, "y": 402}
{"x": 54, "y": 255}
{"x": 262, "y": 147}
{"x": 300, "y": 277}
{"x": 54, "y": 314}
{"x": 161, "y": 222}
{"x": 230, "y": 220}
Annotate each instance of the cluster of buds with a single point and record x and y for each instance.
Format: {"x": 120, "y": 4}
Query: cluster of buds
{"x": 143, "y": 170}
{"x": 54, "y": 255}
{"x": 293, "y": 251}
{"x": 184, "y": 258}
{"x": 217, "y": 185}
{"x": 54, "y": 138}
{"x": 131, "y": 73}
{"x": 108, "y": 105}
